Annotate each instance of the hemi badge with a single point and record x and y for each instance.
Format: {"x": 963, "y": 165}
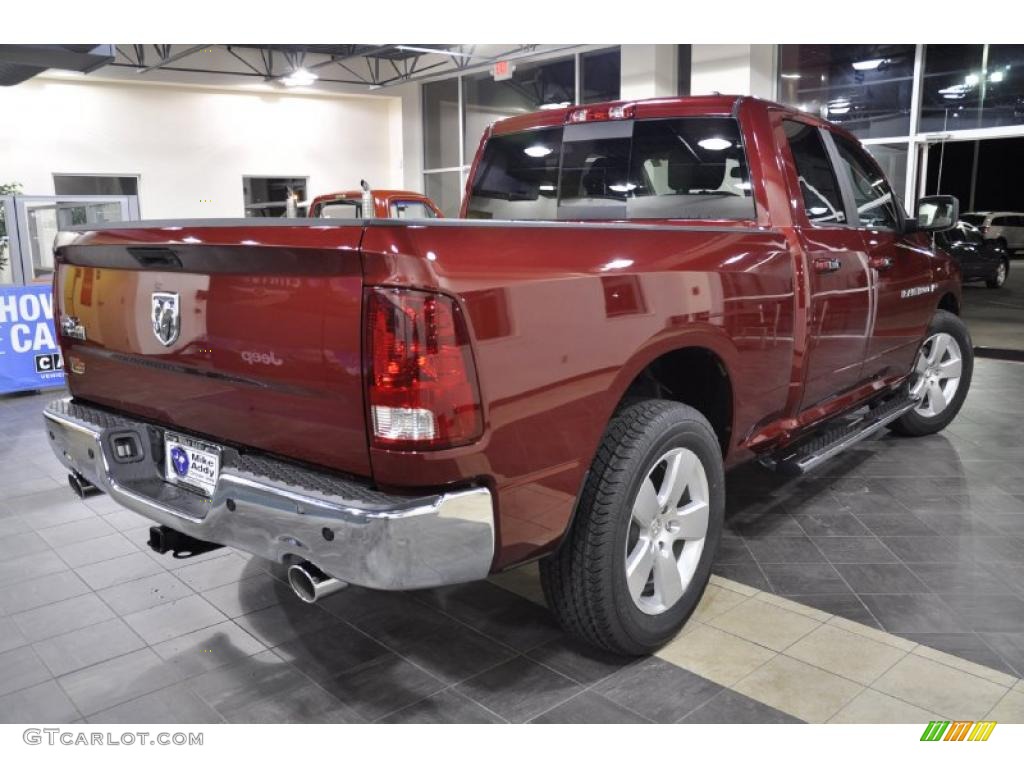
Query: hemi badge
{"x": 918, "y": 290}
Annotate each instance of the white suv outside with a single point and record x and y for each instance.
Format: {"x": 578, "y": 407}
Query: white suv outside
{"x": 1006, "y": 228}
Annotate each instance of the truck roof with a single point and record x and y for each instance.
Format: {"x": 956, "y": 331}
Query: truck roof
{"x": 681, "y": 106}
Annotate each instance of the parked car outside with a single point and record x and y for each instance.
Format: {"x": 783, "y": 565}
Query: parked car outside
{"x": 979, "y": 259}
{"x": 1004, "y": 228}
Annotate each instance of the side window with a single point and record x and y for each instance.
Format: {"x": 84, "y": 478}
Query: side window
{"x": 818, "y": 183}
{"x": 999, "y": 221}
{"x": 871, "y": 191}
{"x": 340, "y": 209}
{"x": 410, "y": 209}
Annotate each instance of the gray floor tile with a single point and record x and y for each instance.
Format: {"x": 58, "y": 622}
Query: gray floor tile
{"x": 214, "y": 573}
{"x": 446, "y": 706}
{"x": 428, "y": 638}
{"x": 506, "y": 617}
{"x": 96, "y": 550}
{"x": 658, "y": 690}
{"x": 746, "y": 573}
{"x": 80, "y": 530}
{"x": 21, "y": 544}
{"x": 381, "y": 686}
{"x": 43, "y": 703}
{"x": 590, "y": 707}
{"x": 306, "y": 704}
{"x": 147, "y": 592}
{"x": 34, "y": 593}
{"x": 804, "y": 578}
{"x": 280, "y": 623}
{"x": 881, "y": 578}
{"x": 914, "y": 613}
{"x": 1009, "y": 646}
{"x": 118, "y": 570}
{"x": 853, "y": 549}
{"x": 519, "y": 690}
{"x": 208, "y": 648}
{"x": 989, "y": 613}
{"x": 848, "y": 606}
{"x": 784, "y": 549}
{"x": 29, "y": 567}
{"x": 732, "y": 707}
{"x": 170, "y": 620}
{"x": 89, "y": 645}
{"x": 831, "y": 524}
{"x": 960, "y": 578}
{"x": 251, "y": 594}
{"x": 583, "y": 663}
{"x": 927, "y": 549}
{"x": 10, "y": 635}
{"x": 330, "y": 651}
{"x": 118, "y": 680}
{"x": 233, "y": 688}
{"x": 65, "y": 616}
{"x": 175, "y": 704}
{"x": 21, "y": 668}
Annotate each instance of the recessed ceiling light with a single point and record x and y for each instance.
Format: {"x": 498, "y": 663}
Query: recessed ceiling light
{"x": 868, "y": 64}
{"x": 538, "y": 150}
{"x": 714, "y": 144}
{"x": 300, "y": 76}
{"x": 790, "y": 76}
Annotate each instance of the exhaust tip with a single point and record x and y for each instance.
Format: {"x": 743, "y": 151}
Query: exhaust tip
{"x": 302, "y": 584}
{"x": 309, "y": 583}
{"x": 82, "y": 488}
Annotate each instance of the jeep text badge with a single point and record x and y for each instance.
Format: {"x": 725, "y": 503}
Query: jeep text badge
{"x": 166, "y": 317}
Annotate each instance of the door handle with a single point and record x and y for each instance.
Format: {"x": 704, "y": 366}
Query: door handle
{"x": 827, "y": 265}
{"x": 880, "y": 262}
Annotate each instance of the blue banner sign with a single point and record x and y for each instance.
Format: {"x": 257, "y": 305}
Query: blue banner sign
{"x": 29, "y": 355}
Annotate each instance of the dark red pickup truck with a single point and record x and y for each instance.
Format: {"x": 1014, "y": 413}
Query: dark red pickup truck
{"x": 642, "y": 295}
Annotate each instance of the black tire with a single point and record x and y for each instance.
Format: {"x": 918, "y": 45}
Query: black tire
{"x": 995, "y": 282}
{"x": 915, "y": 424}
{"x": 585, "y": 580}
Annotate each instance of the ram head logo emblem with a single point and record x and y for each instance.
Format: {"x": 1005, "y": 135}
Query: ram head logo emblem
{"x": 166, "y": 317}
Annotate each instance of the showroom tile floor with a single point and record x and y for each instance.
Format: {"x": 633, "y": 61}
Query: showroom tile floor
{"x": 889, "y": 588}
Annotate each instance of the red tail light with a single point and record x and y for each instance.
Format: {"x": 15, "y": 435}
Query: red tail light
{"x": 423, "y": 389}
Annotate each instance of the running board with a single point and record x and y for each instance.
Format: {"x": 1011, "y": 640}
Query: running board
{"x": 835, "y": 439}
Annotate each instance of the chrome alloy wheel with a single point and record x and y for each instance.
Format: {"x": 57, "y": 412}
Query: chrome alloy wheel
{"x": 938, "y": 368}
{"x": 667, "y": 530}
{"x": 1001, "y": 274}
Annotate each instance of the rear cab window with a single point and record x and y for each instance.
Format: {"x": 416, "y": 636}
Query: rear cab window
{"x": 340, "y": 209}
{"x": 690, "y": 168}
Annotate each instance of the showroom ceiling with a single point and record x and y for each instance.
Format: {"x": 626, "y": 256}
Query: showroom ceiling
{"x": 368, "y": 67}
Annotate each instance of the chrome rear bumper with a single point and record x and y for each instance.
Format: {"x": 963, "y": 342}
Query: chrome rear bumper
{"x": 281, "y": 511}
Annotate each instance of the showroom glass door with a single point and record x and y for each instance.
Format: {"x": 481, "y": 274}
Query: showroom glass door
{"x": 33, "y": 223}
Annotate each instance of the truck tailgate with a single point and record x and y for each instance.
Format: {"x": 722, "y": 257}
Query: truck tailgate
{"x": 256, "y": 340}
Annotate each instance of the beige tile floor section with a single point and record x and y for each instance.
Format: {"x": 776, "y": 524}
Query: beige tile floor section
{"x": 820, "y": 667}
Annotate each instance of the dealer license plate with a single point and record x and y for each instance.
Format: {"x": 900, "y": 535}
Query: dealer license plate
{"x": 190, "y": 462}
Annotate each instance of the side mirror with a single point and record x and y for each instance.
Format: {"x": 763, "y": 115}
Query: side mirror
{"x": 936, "y": 213}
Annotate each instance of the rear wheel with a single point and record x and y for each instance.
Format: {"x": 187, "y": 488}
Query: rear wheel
{"x": 638, "y": 555}
{"x": 941, "y": 377}
{"x": 1002, "y": 271}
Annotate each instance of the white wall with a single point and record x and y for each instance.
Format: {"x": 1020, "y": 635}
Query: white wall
{"x": 746, "y": 70}
{"x": 191, "y": 146}
{"x": 648, "y": 71}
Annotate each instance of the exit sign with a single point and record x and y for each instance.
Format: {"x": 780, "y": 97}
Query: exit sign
{"x": 502, "y": 70}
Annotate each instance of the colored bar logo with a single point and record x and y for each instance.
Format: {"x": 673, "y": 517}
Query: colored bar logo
{"x": 958, "y": 730}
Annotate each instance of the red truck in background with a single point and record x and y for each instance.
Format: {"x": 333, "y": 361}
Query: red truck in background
{"x": 369, "y": 203}
{"x": 641, "y": 296}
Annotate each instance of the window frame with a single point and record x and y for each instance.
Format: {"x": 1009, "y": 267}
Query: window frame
{"x": 846, "y": 183}
{"x": 793, "y": 175}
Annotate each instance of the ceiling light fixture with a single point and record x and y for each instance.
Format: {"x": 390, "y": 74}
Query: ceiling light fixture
{"x": 301, "y": 76}
{"x": 790, "y": 76}
{"x": 538, "y": 150}
{"x": 869, "y": 64}
{"x": 714, "y": 144}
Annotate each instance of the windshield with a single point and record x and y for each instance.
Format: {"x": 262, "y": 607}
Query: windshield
{"x": 977, "y": 219}
{"x": 683, "y": 168}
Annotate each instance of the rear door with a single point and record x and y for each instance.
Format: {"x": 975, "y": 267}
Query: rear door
{"x": 835, "y": 264}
